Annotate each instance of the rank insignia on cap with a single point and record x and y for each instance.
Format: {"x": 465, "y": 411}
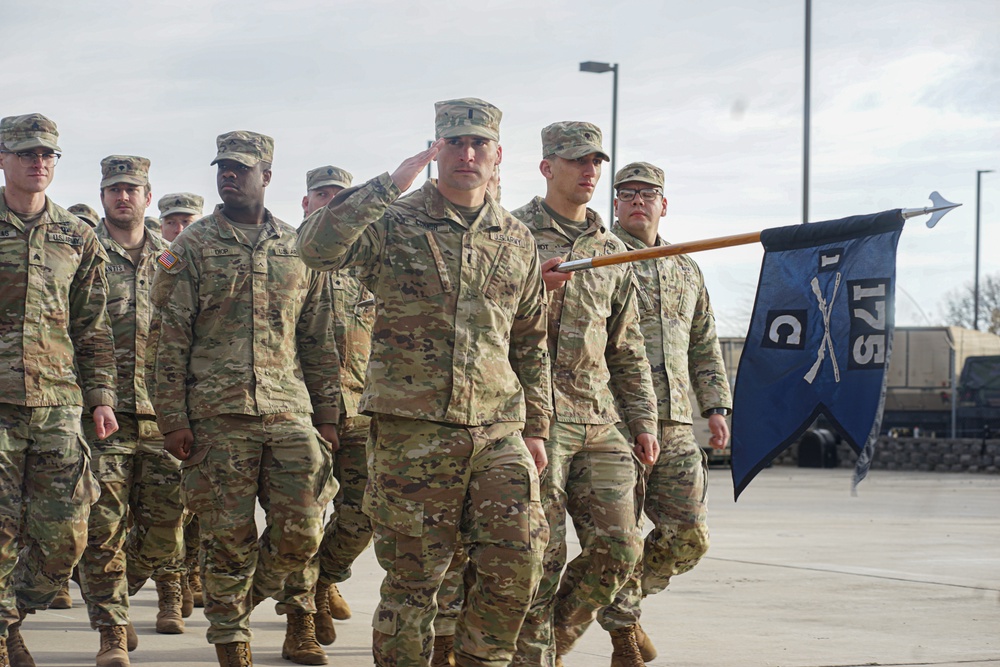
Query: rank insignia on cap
{"x": 167, "y": 259}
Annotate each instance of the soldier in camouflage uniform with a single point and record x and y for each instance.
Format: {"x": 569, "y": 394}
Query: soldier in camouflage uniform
{"x": 598, "y": 357}
{"x": 135, "y": 474}
{"x": 56, "y": 357}
{"x": 683, "y": 350}
{"x": 348, "y": 531}
{"x": 247, "y": 393}
{"x": 177, "y": 211}
{"x": 458, "y": 371}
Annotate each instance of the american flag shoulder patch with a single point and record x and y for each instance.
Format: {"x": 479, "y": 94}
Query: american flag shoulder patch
{"x": 167, "y": 259}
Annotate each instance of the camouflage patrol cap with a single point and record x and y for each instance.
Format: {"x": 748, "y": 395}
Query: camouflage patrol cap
{"x": 321, "y": 177}
{"x": 130, "y": 169}
{"x": 153, "y": 223}
{"x": 640, "y": 172}
{"x": 244, "y": 147}
{"x": 33, "y": 130}
{"x": 180, "y": 202}
{"x": 572, "y": 139}
{"x": 466, "y": 117}
{"x": 85, "y": 213}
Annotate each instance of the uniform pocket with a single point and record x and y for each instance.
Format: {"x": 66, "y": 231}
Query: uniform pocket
{"x": 199, "y": 491}
{"x": 86, "y": 490}
{"x": 419, "y": 267}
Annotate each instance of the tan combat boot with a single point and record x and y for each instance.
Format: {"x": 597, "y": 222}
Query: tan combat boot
{"x": 626, "y": 651}
{"x": 645, "y": 644}
{"x": 444, "y": 651}
{"x": 62, "y": 600}
{"x": 339, "y": 608}
{"x": 194, "y": 581}
{"x": 114, "y": 652}
{"x": 4, "y": 658}
{"x": 326, "y": 634}
{"x": 234, "y": 654}
{"x": 17, "y": 652}
{"x": 169, "y": 620}
{"x": 131, "y": 638}
{"x": 300, "y": 640}
{"x": 187, "y": 597}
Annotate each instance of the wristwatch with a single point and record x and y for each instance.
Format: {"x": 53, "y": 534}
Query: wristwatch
{"x": 716, "y": 411}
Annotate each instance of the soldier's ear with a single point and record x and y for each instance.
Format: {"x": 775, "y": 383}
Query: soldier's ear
{"x": 266, "y": 176}
{"x": 546, "y": 168}
{"x": 663, "y": 213}
{"x": 499, "y": 155}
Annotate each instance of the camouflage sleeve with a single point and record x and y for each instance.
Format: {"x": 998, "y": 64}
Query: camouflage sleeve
{"x": 175, "y": 298}
{"x": 90, "y": 327}
{"x": 341, "y": 234}
{"x": 631, "y": 378}
{"x": 529, "y": 353}
{"x": 706, "y": 367}
{"x": 317, "y": 344}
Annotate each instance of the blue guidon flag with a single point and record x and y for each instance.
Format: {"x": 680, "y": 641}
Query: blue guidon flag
{"x": 819, "y": 339}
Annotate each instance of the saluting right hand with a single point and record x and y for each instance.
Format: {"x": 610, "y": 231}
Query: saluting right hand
{"x": 408, "y": 171}
{"x": 178, "y": 443}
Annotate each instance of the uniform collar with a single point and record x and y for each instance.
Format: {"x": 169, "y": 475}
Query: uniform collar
{"x": 438, "y": 207}
{"x": 227, "y": 230}
{"x": 631, "y": 241}
{"x": 53, "y": 213}
{"x": 543, "y": 220}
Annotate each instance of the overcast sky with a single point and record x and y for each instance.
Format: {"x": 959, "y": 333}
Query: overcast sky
{"x": 906, "y": 100}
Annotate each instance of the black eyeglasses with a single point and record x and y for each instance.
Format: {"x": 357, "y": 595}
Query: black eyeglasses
{"x": 27, "y": 158}
{"x": 647, "y": 194}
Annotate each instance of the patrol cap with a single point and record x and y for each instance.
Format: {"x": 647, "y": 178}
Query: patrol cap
{"x": 33, "y": 130}
{"x": 572, "y": 139}
{"x": 85, "y": 213}
{"x": 640, "y": 172}
{"x": 321, "y": 177}
{"x": 153, "y": 223}
{"x": 468, "y": 116}
{"x": 244, "y": 147}
{"x": 180, "y": 202}
{"x": 130, "y": 169}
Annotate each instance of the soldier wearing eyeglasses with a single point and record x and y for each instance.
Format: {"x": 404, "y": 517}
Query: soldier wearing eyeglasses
{"x": 600, "y": 376}
{"x": 56, "y": 359}
{"x": 683, "y": 350}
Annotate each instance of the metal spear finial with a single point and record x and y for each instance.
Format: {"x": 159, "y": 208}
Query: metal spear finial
{"x": 939, "y": 208}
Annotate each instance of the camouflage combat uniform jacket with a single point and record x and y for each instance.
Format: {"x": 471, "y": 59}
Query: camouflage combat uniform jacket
{"x": 459, "y": 332}
{"x": 597, "y": 350}
{"x": 679, "y": 327}
{"x": 131, "y": 312}
{"x": 242, "y": 330}
{"x": 55, "y": 338}
{"x": 354, "y": 316}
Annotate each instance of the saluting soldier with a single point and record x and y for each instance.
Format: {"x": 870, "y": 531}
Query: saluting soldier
{"x": 247, "y": 393}
{"x": 598, "y": 358}
{"x": 56, "y": 358}
{"x": 457, "y": 385}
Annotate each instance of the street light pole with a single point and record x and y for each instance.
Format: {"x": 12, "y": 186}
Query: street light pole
{"x": 805, "y": 124}
{"x": 975, "y": 291}
{"x": 600, "y": 68}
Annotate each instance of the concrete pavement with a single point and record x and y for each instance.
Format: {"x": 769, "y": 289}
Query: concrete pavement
{"x": 800, "y": 574}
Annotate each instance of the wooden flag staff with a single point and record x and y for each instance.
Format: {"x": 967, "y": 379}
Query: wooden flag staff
{"x": 939, "y": 207}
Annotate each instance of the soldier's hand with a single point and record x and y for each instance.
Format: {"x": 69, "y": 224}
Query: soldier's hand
{"x": 329, "y": 433}
{"x": 178, "y": 443}
{"x": 719, "y": 428}
{"x": 105, "y": 422}
{"x": 553, "y": 279}
{"x": 647, "y": 448}
{"x": 408, "y": 171}
{"x": 537, "y": 448}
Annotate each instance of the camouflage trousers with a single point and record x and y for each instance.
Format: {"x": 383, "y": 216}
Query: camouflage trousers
{"x": 137, "y": 477}
{"x": 592, "y": 474}
{"x": 451, "y": 595}
{"x": 279, "y": 459}
{"x": 46, "y": 490}
{"x": 676, "y": 503}
{"x": 432, "y": 487}
{"x": 348, "y": 531}
{"x": 192, "y": 542}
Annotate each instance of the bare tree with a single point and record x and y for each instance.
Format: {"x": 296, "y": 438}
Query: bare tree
{"x": 958, "y": 305}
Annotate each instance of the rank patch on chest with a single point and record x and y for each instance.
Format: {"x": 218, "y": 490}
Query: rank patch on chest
{"x": 167, "y": 259}
{"x": 507, "y": 238}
